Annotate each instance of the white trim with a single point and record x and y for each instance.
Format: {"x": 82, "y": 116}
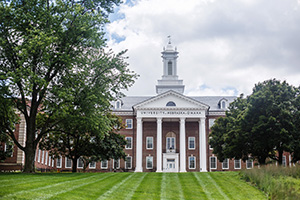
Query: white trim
{"x": 49, "y": 161}
{"x": 189, "y": 139}
{"x": 43, "y": 156}
{"x": 239, "y": 164}
{"x": 284, "y": 161}
{"x": 151, "y": 158}
{"x": 39, "y": 156}
{"x": 247, "y": 161}
{"x": 59, "y": 166}
{"x": 129, "y": 122}
{"x": 227, "y": 164}
{"x": 171, "y": 141}
{"x": 130, "y": 162}
{"x": 148, "y": 143}
{"x": 130, "y": 143}
{"x": 78, "y": 160}
{"x": 46, "y": 158}
{"x": 103, "y": 161}
{"x": 194, "y": 162}
{"x": 90, "y": 165}
{"x": 216, "y": 162}
{"x": 66, "y": 162}
{"x": 113, "y": 165}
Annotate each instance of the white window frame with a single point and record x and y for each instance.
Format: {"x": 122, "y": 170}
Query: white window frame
{"x": 147, "y": 143}
{"x": 46, "y": 158}
{"x": 90, "y": 167}
{"x": 128, "y": 122}
{"x": 225, "y": 162}
{"x": 239, "y": 164}
{"x": 127, "y": 146}
{"x": 149, "y": 158}
{"x": 39, "y": 156}
{"x": 102, "y": 162}
{"x": 116, "y": 104}
{"x": 49, "y": 161}
{"x": 167, "y": 146}
{"x": 284, "y": 161}
{"x": 118, "y": 164}
{"x": 189, "y": 141}
{"x": 66, "y": 162}
{"x": 52, "y": 162}
{"x": 194, "y": 157}
{"x": 12, "y": 149}
{"x": 78, "y": 160}
{"x": 59, "y": 158}
{"x": 43, "y": 156}
{"x": 130, "y": 162}
{"x": 216, "y": 162}
{"x": 247, "y": 162}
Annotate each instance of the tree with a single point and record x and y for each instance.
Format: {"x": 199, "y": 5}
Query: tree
{"x": 43, "y": 44}
{"x": 264, "y": 127}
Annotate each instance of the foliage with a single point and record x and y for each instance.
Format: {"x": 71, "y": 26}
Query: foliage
{"x": 45, "y": 46}
{"x": 127, "y": 186}
{"x": 261, "y": 125}
{"x": 278, "y": 182}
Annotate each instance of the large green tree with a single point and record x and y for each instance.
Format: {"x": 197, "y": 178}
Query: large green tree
{"x": 43, "y": 44}
{"x": 260, "y": 125}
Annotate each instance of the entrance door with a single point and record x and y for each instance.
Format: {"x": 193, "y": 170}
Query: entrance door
{"x": 171, "y": 165}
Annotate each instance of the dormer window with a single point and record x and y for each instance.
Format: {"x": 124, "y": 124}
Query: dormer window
{"x": 118, "y": 104}
{"x": 171, "y": 103}
{"x": 223, "y": 104}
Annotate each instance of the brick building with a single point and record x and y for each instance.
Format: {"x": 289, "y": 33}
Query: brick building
{"x": 168, "y": 132}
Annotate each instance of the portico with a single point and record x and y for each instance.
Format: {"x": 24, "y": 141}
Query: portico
{"x": 169, "y": 156}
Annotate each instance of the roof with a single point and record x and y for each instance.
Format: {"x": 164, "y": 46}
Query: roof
{"x": 212, "y": 101}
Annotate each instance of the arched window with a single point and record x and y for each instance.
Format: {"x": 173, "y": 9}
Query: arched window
{"x": 171, "y": 103}
{"x": 223, "y": 104}
{"x": 118, "y": 104}
{"x": 170, "y": 68}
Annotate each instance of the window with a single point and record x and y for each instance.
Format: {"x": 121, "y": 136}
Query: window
{"x": 52, "y": 162}
{"x": 171, "y": 103}
{"x": 210, "y": 145}
{"x": 104, "y": 164}
{"x": 118, "y": 104}
{"x": 149, "y": 161}
{"x": 43, "y": 154}
{"x": 170, "y": 68}
{"x": 80, "y": 163}
{"x": 149, "y": 142}
{"x": 191, "y": 142}
{"x": 213, "y": 162}
{"x": 170, "y": 143}
{"x": 9, "y": 149}
{"x": 225, "y": 163}
{"x": 49, "y": 161}
{"x": 192, "y": 162}
{"x": 129, "y": 142}
{"x": 39, "y": 155}
{"x": 58, "y": 162}
{"x": 283, "y": 161}
{"x": 237, "y": 164}
{"x": 128, "y": 162}
{"x": 92, "y": 165}
{"x": 116, "y": 164}
{"x": 211, "y": 122}
{"x": 249, "y": 163}
{"x": 223, "y": 104}
{"x": 68, "y": 162}
{"x": 46, "y": 158}
{"x": 128, "y": 123}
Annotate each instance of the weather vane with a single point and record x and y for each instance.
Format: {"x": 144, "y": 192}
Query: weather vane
{"x": 169, "y": 36}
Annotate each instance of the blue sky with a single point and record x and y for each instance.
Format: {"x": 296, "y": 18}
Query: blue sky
{"x": 225, "y": 46}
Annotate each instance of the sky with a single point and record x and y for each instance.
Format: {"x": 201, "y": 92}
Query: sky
{"x": 225, "y": 46}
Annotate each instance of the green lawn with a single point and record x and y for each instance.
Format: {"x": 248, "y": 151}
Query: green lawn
{"x": 217, "y": 185}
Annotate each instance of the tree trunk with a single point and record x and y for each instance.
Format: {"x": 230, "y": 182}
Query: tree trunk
{"x": 74, "y": 166}
{"x": 29, "y": 160}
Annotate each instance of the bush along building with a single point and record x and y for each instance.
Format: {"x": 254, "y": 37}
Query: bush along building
{"x": 168, "y": 132}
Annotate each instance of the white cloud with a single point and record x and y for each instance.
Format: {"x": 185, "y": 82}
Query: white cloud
{"x": 225, "y": 46}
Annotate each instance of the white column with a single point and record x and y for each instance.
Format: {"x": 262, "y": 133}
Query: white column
{"x": 139, "y": 145}
{"x": 202, "y": 144}
{"x": 182, "y": 145}
{"x": 159, "y": 145}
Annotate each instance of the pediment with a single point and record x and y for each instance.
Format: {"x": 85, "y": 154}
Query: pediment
{"x": 168, "y": 99}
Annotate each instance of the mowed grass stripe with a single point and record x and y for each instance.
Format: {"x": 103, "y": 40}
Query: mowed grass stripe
{"x": 203, "y": 185}
{"x": 131, "y": 188}
{"x": 163, "y": 187}
{"x": 150, "y": 187}
{"x": 216, "y": 186}
{"x": 235, "y": 188}
{"x": 114, "y": 188}
{"x": 181, "y": 196}
{"x": 48, "y": 185}
{"x": 172, "y": 189}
